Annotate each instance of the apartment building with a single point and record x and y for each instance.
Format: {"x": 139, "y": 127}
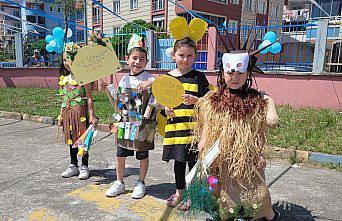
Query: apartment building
{"x": 8, "y": 25}
{"x": 106, "y": 22}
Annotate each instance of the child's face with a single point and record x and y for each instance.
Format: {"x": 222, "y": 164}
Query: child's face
{"x": 184, "y": 57}
{"x": 235, "y": 80}
{"x": 136, "y": 62}
{"x": 66, "y": 62}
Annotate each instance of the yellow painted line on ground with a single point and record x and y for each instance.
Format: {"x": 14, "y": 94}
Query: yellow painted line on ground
{"x": 42, "y": 214}
{"x": 96, "y": 194}
{"x": 149, "y": 208}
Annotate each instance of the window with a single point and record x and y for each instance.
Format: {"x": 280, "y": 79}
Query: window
{"x": 59, "y": 8}
{"x": 41, "y": 20}
{"x": 232, "y": 26}
{"x": 133, "y": 4}
{"x": 79, "y": 16}
{"x": 116, "y": 30}
{"x": 158, "y": 21}
{"x": 249, "y": 5}
{"x": 275, "y": 10}
{"x": 116, "y": 6}
{"x": 262, "y": 7}
{"x": 96, "y": 14}
{"x": 15, "y": 13}
{"x": 157, "y": 5}
{"x": 220, "y": 1}
{"x": 31, "y": 18}
{"x": 51, "y": 8}
{"x": 236, "y": 2}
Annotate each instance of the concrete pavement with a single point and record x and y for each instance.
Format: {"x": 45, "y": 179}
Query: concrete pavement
{"x": 31, "y": 188}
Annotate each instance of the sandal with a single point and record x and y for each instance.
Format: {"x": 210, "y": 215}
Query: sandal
{"x": 173, "y": 200}
{"x": 184, "y": 205}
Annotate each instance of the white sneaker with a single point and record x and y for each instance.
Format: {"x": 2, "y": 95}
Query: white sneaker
{"x": 139, "y": 190}
{"x": 71, "y": 171}
{"x": 84, "y": 173}
{"x": 117, "y": 188}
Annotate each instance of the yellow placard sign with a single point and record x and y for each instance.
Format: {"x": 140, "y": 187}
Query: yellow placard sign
{"x": 168, "y": 91}
{"x": 161, "y": 123}
{"x": 93, "y": 62}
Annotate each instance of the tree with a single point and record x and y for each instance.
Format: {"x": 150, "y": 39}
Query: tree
{"x": 120, "y": 40}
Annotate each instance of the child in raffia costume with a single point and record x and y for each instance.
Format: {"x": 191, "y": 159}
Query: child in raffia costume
{"x": 237, "y": 115}
{"x": 77, "y": 111}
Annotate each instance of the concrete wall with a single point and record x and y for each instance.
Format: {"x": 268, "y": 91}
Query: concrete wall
{"x": 316, "y": 91}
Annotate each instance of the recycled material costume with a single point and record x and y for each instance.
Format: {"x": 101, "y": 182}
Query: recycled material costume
{"x": 239, "y": 118}
{"x": 135, "y": 111}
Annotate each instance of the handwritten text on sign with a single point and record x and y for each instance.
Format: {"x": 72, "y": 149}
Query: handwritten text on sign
{"x": 168, "y": 91}
{"x": 93, "y": 62}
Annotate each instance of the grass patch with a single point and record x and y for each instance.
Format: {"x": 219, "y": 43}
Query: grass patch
{"x": 308, "y": 129}
{"x": 301, "y": 129}
{"x": 44, "y": 102}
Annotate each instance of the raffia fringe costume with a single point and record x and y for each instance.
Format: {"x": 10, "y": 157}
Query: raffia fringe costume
{"x": 239, "y": 121}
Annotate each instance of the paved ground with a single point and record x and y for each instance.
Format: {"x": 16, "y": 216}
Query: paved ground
{"x": 31, "y": 188}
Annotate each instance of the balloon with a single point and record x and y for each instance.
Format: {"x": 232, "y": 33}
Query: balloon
{"x": 58, "y": 49}
{"x": 275, "y": 48}
{"x": 49, "y": 38}
{"x": 264, "y": 44}
{"x": 271, "y": 36}
{"x": 69, "y": 33}
{"x": 59, "y": 42}
{"x": 49, "y": 48}
{"x": 58, "y": 32}
{"x": 179, "y": 28}
{"x": 197, "y": 29}
{"x": 52, "y": 43}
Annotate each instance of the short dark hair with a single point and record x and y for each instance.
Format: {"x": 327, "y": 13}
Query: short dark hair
{"x": 188, "y": 42}
{"x": 139, "y": 49}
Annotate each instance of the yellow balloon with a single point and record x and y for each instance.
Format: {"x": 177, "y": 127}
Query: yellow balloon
{"x": 179, "y": 28}
{"x": 197, "y": 29}
{"x": 161, "y": 123}
{"x": 168, "y": 91}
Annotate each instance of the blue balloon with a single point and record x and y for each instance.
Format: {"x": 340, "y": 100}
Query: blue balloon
{"x": 263, "y": 51}
{"x": 49, "y": 48}
{"x": 58, "y": 33}
{"x": 49, "y": 38}
{"x": 275, "y": 48}
{"x": 271, "y": 36}
{"x": 58, "y": 49}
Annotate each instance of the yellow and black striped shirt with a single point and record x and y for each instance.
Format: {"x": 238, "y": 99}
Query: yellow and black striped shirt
{"x": 178, "y": 137}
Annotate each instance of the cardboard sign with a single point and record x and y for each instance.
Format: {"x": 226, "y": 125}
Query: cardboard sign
{"x": 93, "y": 62}
{"x": 168, "y": 91}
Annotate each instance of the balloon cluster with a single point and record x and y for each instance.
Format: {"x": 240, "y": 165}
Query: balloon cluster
{"x": 269, "y": 38}
{"x": 55, "y": 42}
{"x": 212, "y": 183}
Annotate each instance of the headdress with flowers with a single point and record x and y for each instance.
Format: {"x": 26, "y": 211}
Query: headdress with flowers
{"x": 136, "y": 41}
{"x": 71, "y": 49}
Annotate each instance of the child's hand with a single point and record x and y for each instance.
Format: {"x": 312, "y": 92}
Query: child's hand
{"x": 144, "y": 85}
{"x": 189, "y": 99}
{"x": 200, "y": 146}
{"x": 93, "y": 120}
{"x": 261, "y": 163}
{"x": 169, "y": 112}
